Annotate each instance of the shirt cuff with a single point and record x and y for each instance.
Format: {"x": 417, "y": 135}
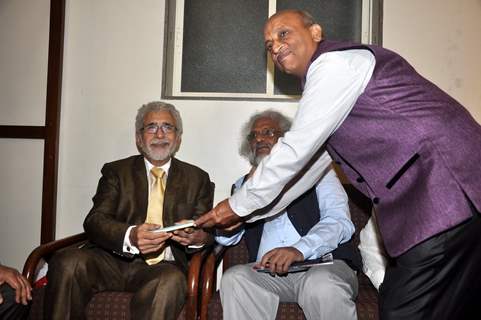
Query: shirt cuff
{"x": 194, "y": 246}
{"x": 229, "y": 240}
{"x": 304, "y": 249}
{"x": 128, "y": 247}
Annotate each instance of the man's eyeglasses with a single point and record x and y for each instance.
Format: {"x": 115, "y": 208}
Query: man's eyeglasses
{"x": 153, "y": 128}
{"x": 266, "y": 133}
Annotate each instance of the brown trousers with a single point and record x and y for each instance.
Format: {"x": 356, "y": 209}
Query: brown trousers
{"x": 75, "y": 275}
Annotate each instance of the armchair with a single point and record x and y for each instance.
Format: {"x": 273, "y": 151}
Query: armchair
{"x": 210, "y": 305}
{"x": 106, "y": 305}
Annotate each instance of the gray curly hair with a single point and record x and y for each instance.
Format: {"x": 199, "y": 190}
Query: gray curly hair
{"x": 156, "y": 106}
{"x": 245, "y": 149}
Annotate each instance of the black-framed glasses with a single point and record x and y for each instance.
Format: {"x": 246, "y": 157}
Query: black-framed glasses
{"x": 265, "y": 133}
{"x": 153, "y": 128}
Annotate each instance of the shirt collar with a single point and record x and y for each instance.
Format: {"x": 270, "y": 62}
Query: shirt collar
{"x": 165, "y": 167}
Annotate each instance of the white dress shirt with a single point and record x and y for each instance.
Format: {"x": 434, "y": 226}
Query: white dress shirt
{"x": 334, "y": 81}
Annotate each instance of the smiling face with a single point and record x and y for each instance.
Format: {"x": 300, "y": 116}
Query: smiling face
{"x": 158, "y": 147}
{"x": 290, "y": 42}
{"x": 265, "y": 132}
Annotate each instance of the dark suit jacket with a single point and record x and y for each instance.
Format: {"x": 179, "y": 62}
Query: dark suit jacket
{"x": 122, "y": 198}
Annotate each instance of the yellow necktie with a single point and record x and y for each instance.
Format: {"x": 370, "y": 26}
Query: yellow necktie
{"x": 155, "y": 209}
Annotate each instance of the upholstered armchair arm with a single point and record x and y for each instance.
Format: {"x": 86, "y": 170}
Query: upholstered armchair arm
{"x": 209, "y": 277}
{"x": 48, "y": 249}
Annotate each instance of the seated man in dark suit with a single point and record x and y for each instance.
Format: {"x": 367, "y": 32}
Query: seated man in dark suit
{"x": 15, "y": 292}
{"x": 134, "y": 196}
{"x": 313, "y": 225}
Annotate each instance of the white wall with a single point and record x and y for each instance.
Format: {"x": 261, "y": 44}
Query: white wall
{"x": 113, "y": 64}
{"x": 441, "y": 39}
{"x": 23, "y": 78}
{"x": 23, "y": 61}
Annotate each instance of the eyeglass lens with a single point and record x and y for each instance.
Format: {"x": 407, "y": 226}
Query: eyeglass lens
{"x": 266, "y": 133}
{"x": 164, "y": 127}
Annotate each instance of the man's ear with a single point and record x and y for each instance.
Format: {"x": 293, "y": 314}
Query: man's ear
{"x": 316, "y": 32}
{"x": 138, "y": 139}
{"x": 179, "y": 141}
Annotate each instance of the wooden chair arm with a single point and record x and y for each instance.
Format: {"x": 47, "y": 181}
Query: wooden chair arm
{"x": 193, "y": 281}
{"x": 209, "y": 277}
{"x": 47, "y": 249}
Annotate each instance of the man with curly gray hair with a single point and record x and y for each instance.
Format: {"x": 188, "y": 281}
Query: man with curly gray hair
{"x": 315, "y": 224}
{"x": 255, "y": 155}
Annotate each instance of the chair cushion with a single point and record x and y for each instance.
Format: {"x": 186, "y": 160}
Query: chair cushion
{"x": 367, "y": 300}
{"x": 109, "y": 305}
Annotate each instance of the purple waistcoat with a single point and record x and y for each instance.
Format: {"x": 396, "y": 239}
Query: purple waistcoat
{"x": 411, "y": 148}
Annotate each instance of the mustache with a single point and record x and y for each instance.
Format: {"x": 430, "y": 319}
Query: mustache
{"x": 259, "y": 145}
{"x": 159, "y": 141}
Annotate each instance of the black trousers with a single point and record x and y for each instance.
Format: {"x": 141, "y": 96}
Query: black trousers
{"x": 10, "y": 309}
{"x": 437, "y": 279}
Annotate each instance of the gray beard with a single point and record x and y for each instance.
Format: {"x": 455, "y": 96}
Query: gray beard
{"x": 255, "y": 160}
{"x": 157, "y": 155}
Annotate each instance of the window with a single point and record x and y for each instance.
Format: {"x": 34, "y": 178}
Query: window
{"x": 215, "y": 48}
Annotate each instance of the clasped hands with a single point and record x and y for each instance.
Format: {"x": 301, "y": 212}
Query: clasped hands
{"x": 148, "y": 242}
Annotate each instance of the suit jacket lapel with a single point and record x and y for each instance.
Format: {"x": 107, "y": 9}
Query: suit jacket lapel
{"x": 174, "y": 186}
{"x": 141, "y": 190}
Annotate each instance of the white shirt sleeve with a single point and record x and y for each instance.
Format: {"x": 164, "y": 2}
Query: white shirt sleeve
{"x": 129, "y": 247}
{"x": 372, "y": 252}
{"x": 334, "y": 82}
{"x": 231, "y": 240}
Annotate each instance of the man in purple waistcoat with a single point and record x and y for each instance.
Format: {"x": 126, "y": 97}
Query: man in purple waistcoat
{"x": 402, "y": 141}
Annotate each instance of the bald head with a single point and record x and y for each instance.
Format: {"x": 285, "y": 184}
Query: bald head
{"x": 291, "y": 37}
{"x": 305, "y": 16}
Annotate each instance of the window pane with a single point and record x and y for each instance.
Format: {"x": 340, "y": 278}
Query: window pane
{"x": 223, "y": 46}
